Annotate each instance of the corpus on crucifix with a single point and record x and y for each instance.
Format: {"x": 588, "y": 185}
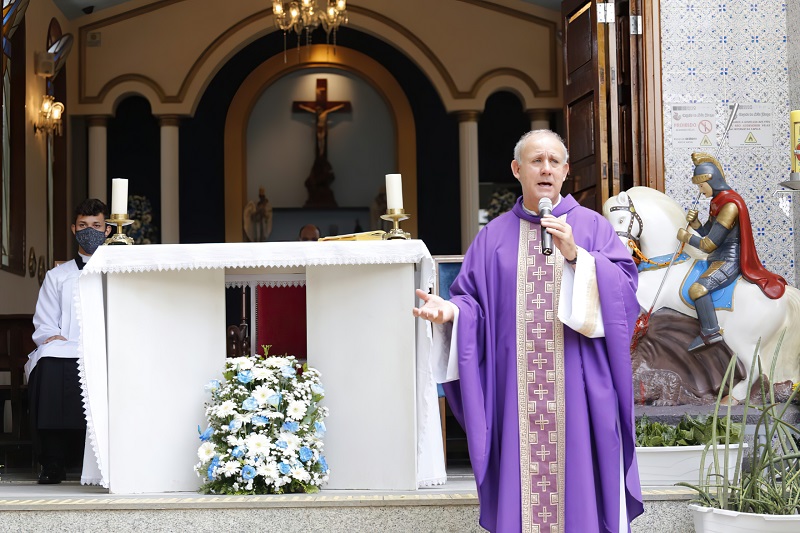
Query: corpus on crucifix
{"x": 321, "y": 176}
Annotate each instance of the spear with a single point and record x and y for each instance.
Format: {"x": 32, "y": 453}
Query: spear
{"x": 643, "y": 322}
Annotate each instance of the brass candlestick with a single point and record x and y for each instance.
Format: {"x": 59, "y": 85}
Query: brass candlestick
{"x": 119, "y": 237}
{"x": 396, "y": 215}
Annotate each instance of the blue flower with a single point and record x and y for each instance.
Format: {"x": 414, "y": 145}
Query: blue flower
{"x": 282, "y": 444}
{"x": 214, "y": 463}
{"x": 259, "y": 420}
{"x": 291, "y": 426}
{"x": 251, "y": 404}
{"x": 275, "y": 399}
{"x": 245, "y": 376}
{"x": 288, "y": 372}
{"x": 319, "y": 428}
{"x": 234, "y": 425}
{"x": 284, "y": 468}
{"x": 248, "y": 472}
{"x": 238, "y": 452}
{"x": 212, "y": 385}
{"x": 317, "y": 389}
{"x": 323, "y": 463}
{"x": 306, "y": 453}
{"x": 205, "y": 435}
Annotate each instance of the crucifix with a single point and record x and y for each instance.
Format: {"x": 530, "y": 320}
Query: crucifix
{"x": 321, "y": 108}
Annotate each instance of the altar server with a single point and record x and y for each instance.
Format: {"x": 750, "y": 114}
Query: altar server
{"x": 57, "y": 420}
{"x": 535, "y": 352}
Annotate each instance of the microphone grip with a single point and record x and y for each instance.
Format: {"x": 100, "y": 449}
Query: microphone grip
{"x": 547, "y": 239}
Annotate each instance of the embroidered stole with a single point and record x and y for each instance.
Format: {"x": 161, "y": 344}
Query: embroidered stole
{"x": 540, "y": 384}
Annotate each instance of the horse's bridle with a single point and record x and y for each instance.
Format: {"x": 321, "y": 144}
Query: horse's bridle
{"x": 634, "y": 216}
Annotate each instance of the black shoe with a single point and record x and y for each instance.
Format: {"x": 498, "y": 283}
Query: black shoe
{"x": 52, "y": 476}
{"x": 704, "y": 341}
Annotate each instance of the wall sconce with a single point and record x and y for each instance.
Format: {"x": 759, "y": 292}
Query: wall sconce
{"x": 49, "y": 116}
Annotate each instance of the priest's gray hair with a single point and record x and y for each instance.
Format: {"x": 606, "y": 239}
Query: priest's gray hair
{"x": 538, "y": 133}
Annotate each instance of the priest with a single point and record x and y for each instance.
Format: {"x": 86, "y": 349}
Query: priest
{"x": 534, "y": 348}
{"x": 57, "y": 421}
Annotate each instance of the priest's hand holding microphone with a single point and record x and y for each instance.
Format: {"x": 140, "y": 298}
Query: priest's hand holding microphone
{"x": 556, "y": 231}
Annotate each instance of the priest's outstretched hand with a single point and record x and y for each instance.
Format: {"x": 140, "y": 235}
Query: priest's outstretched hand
{"x": 436, "y": 309}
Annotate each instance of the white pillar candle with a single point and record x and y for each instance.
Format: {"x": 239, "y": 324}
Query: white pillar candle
{"x": 394, "y": 191}
{"x": 119, "y": 196}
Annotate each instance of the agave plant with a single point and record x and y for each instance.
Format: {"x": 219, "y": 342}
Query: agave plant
{"x": 770, "y": 484}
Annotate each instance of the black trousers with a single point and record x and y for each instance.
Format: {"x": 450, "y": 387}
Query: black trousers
{"x": 58, "y": 425}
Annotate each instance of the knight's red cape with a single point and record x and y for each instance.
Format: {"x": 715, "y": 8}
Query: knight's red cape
{"x": 771, "y": 284}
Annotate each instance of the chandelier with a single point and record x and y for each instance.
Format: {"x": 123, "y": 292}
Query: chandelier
{"x": 302, "y": 16}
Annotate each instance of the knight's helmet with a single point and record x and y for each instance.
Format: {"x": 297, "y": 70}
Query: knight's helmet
{"x": 708, "y": 170}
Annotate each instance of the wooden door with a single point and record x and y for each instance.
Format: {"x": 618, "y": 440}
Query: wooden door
{"x": 585, "y": 103}
{"x": 612, "y": 98}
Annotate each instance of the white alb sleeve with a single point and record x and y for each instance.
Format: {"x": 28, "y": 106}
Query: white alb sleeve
{"x": 444, "y": 352}
{"x": 579, "y": 301}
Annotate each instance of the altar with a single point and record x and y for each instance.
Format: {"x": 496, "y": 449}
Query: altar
{"x": 153, "y": 334}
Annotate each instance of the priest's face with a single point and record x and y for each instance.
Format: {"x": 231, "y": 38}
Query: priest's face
{"x": 541, "y": 170}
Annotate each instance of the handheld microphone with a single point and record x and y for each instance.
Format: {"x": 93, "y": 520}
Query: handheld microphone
{"x": 546, "y": 208}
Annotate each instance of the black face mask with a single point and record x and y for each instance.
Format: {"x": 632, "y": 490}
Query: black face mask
{"x": 89, "y": 239}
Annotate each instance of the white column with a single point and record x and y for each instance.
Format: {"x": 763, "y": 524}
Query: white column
{"x": 170, "y": 180}
{"x": 98, "y": 158}
{"x": 468, "y": 165}
{"x": 540, "y": 119}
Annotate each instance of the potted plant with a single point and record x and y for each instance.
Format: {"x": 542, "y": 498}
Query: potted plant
{"x": 763, "y": 495}
{"x": 668, "y": 454}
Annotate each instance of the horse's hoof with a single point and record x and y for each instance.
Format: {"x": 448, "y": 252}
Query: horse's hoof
{"x": 729, "y": 400}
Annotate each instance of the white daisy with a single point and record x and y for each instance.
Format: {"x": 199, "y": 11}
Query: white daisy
{"x": 300, "y": 474}
{"x": 257, "y": 445}
{"x": 276, "y": 362}
{"x": 268, "y": 470}
{"x": 242, "y": 363}
{"x": 229, "y": 468}
{"x": 226, "y": 408}
{"x": 261, "y": 393}
{"x": 296, "y": 410}
{"x": 206, "y": 451}
{"x": 292, "y": 440}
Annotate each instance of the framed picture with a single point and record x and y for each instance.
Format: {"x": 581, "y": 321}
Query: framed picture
{"x": 445, "y": 269}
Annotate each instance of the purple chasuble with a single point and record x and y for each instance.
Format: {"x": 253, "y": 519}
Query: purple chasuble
{"x": 520, "y": 367}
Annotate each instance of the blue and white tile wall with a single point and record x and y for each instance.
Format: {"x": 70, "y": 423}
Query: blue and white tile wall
{"x": 722, "y": 52}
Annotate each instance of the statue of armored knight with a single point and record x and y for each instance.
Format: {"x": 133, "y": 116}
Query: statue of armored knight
{"x": 727, "y": 237}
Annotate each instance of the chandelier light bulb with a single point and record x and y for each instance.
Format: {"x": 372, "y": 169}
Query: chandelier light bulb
{"x": 277, "y": 8}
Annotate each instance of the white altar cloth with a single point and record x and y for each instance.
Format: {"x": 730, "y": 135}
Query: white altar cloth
{"x": 231, "y": 257}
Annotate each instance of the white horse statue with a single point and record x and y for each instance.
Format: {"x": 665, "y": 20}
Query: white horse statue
{"x": 653, "y": 218}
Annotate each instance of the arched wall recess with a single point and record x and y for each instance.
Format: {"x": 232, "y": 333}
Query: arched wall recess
{"x": 317, "y": 56}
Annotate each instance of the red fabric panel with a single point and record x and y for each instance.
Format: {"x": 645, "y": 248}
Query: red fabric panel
{"x": 281, "y": 320}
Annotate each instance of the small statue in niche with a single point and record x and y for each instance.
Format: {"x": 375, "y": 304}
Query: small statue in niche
{"x": 258, "y": 218}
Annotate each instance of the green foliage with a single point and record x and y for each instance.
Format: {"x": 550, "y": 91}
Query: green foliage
{"x": 770, "y": 483}
{"x": 691, "y": 431}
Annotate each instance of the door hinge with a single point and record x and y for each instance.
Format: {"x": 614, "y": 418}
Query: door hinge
{"x": 605, "y": 13}
{"x": 636, "y": 24}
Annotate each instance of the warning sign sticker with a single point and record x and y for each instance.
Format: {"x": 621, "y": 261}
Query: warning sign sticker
{"x": 693, "y": 125}
{"x": 752, "y": 126}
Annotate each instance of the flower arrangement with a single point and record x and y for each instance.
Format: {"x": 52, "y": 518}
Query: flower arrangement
{"x": 142, "y": 231}
{"x": 265, "y": 428}
{"x": 501, "y": 201}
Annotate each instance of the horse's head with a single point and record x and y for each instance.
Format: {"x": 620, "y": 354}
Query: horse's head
{"x": 621, "y": 213}
{"x": 649, "y": 218}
